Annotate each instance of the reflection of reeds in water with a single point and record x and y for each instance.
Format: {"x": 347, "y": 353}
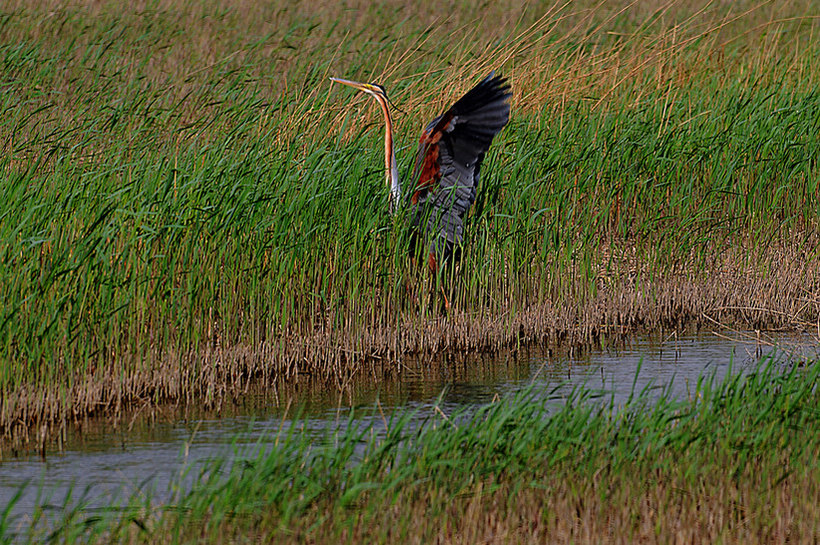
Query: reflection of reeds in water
{"x": 736, "y": 463}
{"x": 182, "y": 216}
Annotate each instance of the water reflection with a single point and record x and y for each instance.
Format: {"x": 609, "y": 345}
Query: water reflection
{"x": 149, "y": 452}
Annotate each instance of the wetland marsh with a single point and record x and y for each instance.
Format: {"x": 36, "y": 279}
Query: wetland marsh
{"x": 192, "y": 212}
{"x": 744, "y": 396}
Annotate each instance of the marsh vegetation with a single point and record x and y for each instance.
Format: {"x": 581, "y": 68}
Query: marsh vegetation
{"x": 188, "y": 205}
{"x": 735, "y": 462}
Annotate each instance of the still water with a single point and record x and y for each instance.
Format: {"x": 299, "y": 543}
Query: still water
{"x": 110, "y": 462}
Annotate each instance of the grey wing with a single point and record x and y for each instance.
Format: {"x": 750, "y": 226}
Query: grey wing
{"x": 449, "y": 160}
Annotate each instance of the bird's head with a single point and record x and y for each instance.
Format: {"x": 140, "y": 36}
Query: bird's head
{"x": 373, "y": 89}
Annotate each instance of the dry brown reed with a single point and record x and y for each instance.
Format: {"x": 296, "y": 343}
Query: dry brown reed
{"x": 548, "y": 50}
{"x": 618, "y": 509}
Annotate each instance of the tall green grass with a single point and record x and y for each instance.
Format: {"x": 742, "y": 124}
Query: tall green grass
{"x": 182, "y": 178}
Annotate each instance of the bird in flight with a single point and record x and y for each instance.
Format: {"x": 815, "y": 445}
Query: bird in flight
{"x": 447, "y": 168}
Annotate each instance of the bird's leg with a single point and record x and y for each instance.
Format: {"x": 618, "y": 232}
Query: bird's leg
{"x": 449, "y": 280}
{"x": 446, "y": 307}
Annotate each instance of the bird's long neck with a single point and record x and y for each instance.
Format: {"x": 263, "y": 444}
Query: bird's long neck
{"x": 390, "y": 167}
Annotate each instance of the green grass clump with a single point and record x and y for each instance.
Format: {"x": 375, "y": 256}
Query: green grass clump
{"x": 737, "y": 462}
{"x": 187, "y": 199}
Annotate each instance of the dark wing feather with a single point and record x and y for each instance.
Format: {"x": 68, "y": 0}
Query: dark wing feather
{"x": 449, "y": 160}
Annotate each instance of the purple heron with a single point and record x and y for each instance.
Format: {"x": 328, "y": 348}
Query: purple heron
{"x": 448, "y": 164}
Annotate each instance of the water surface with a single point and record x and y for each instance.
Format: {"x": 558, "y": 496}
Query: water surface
{"x": 111, "y": 461}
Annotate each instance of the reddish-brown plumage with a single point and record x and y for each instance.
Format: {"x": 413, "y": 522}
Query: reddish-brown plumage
{"x": 429, "y": 173}
{"x": 430, "y": 168}
{"x": 431, "y": 262}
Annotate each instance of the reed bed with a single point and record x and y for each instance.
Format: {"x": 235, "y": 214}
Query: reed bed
{"x": 735, "y": 463}
{"x": 189, "y": 205}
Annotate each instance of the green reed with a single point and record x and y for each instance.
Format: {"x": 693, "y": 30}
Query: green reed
{"x": 171, "y": 191}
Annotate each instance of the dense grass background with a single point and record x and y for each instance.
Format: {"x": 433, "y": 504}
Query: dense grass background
{"x": 181, "y": 180}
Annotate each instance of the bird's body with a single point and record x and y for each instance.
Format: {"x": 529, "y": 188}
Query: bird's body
{"x": 448, "y": 164}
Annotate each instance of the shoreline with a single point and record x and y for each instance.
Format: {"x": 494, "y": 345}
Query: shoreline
{"x": 755, "y": 300}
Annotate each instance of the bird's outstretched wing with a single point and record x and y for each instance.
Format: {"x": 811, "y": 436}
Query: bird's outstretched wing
{"x": 449, "y": 161}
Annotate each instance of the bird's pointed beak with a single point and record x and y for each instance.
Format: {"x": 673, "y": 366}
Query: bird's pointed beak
{"x": 366, "y": 87}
